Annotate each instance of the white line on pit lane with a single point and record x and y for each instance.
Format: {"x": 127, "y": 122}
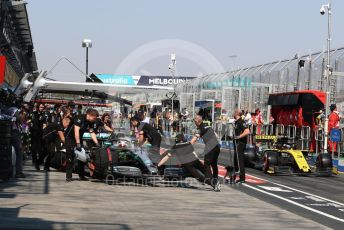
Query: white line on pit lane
{"x": 295, "y": 203}
{"x": 296, "y": 190}
{"x": 300, "y": 191}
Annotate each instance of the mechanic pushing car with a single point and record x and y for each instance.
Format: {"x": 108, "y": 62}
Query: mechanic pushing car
{"x": 240, "y": 140}
{"x": 211, "y": 152}
{"x": 85, "y": 123}
{"x": 149, "y": 133}
{"x": 71, "y": 136}
{"x": 186, "y": 155}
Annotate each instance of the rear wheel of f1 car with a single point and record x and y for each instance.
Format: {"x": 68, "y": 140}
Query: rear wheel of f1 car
{"x": 270, "y": 159}
{"x": 324, "y": 161}
{"x": 250, "y": 156}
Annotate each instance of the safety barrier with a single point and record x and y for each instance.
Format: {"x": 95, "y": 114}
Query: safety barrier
{"x": 267, "y": 129}
{"x": 305, "y": 137}
{"x": 340, "y": 163}
{"x": 280, "y": 131}
{"x": 319, "y": 140}
{"x": 291, "y": 132}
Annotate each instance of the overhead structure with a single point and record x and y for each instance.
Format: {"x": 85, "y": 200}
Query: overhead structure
{"x": 16, "y": 41}
{"x": 113, "y": 92}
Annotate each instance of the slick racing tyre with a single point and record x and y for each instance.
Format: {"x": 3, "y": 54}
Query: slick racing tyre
{"x": 324, "y": 161}
{"x": 270, "y": 159}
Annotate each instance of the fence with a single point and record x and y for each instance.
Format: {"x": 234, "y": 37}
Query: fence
{"x": 255, "y": 83}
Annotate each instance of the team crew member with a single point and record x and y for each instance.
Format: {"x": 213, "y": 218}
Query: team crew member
{"x": 240, "y": 140}
{"x": 36, "y": 135}
{"x": 50, "y": 140}
{"x": 149, "y": 133}
{"x": 106, "y": 119}
{"x": 104, "y": 124}
{"x": 333, "y": 123}
{"x": 65, "y": 132}
{"x": 211, "y": 152}
{"x": 82, "y": 124}
{"x": 186, "y": 155}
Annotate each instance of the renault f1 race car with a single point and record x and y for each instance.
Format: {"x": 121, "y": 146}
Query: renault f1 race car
{"x": 279, "y": 156}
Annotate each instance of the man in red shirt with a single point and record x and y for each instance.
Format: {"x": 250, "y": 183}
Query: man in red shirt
{"x": 333, "y": 123}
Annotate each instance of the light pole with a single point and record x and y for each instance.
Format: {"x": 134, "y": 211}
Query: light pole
{"x": 87, "y": 43}
{"x": 172, "y": 68}
{"x": 232, "y": 57}
{"x": 327, "y": 71}
{"x": 300, "y": 66}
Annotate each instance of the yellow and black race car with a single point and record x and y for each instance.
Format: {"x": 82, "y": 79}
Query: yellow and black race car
{"x": 279, "y": 156}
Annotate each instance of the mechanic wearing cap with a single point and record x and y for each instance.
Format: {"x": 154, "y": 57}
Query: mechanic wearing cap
{"x": 240, "y": 140}
{"x": 211, "y": 151}
{"x": 333, "y": 123}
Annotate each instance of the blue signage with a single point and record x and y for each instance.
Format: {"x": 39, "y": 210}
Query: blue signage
{"x": 142, "y": 80}
{"x": 335, "y": 135}
{"x": 117, "y": 79}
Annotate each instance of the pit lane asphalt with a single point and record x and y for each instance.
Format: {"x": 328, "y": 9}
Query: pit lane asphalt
{"x": 326, "y": 187}
{"x": 45, "y": 201}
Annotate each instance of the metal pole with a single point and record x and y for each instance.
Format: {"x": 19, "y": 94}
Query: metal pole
{"x": 173, "y": 68}
{"x": 213, "y": 112}
{"x": 309, "y": 81}
{"x": 173, "y": 91}
{"x": 327, "y": 75}
{"x": 86, "y": 63}
{"x": 297, "y": 85}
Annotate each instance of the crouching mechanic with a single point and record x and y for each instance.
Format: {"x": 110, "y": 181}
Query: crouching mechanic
{"x": 186, "y": 155}
{"x": 150, "y": 134}
{"x": 211, "y": 152}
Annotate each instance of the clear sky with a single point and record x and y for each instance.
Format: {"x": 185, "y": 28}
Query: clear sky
{"x": 202, "y": 33}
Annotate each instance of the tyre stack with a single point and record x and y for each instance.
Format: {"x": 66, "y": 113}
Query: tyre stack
{"x": 5, "y": 150}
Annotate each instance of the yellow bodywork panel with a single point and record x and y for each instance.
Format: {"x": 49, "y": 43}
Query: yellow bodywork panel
{"x": 299, "y": 159}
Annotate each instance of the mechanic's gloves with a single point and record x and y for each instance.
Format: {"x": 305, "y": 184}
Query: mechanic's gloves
{"x": 78, "y": 146}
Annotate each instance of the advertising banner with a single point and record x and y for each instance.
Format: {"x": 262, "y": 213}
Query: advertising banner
{"x": 142, "y": 80}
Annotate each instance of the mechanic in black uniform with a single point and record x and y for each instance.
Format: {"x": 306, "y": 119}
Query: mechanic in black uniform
{"x": 36, "y": 135}
{"x": 50, "y": 137}
{"x": 66, "y": 134}
{"x": 102, "y": 126}
{"x": 149, "y": 133}
{"x": 211, "y": 152}
{"x": 185, "y": 153}
{"x": 240, "y": 140}
{"x": 83, "y": 123}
